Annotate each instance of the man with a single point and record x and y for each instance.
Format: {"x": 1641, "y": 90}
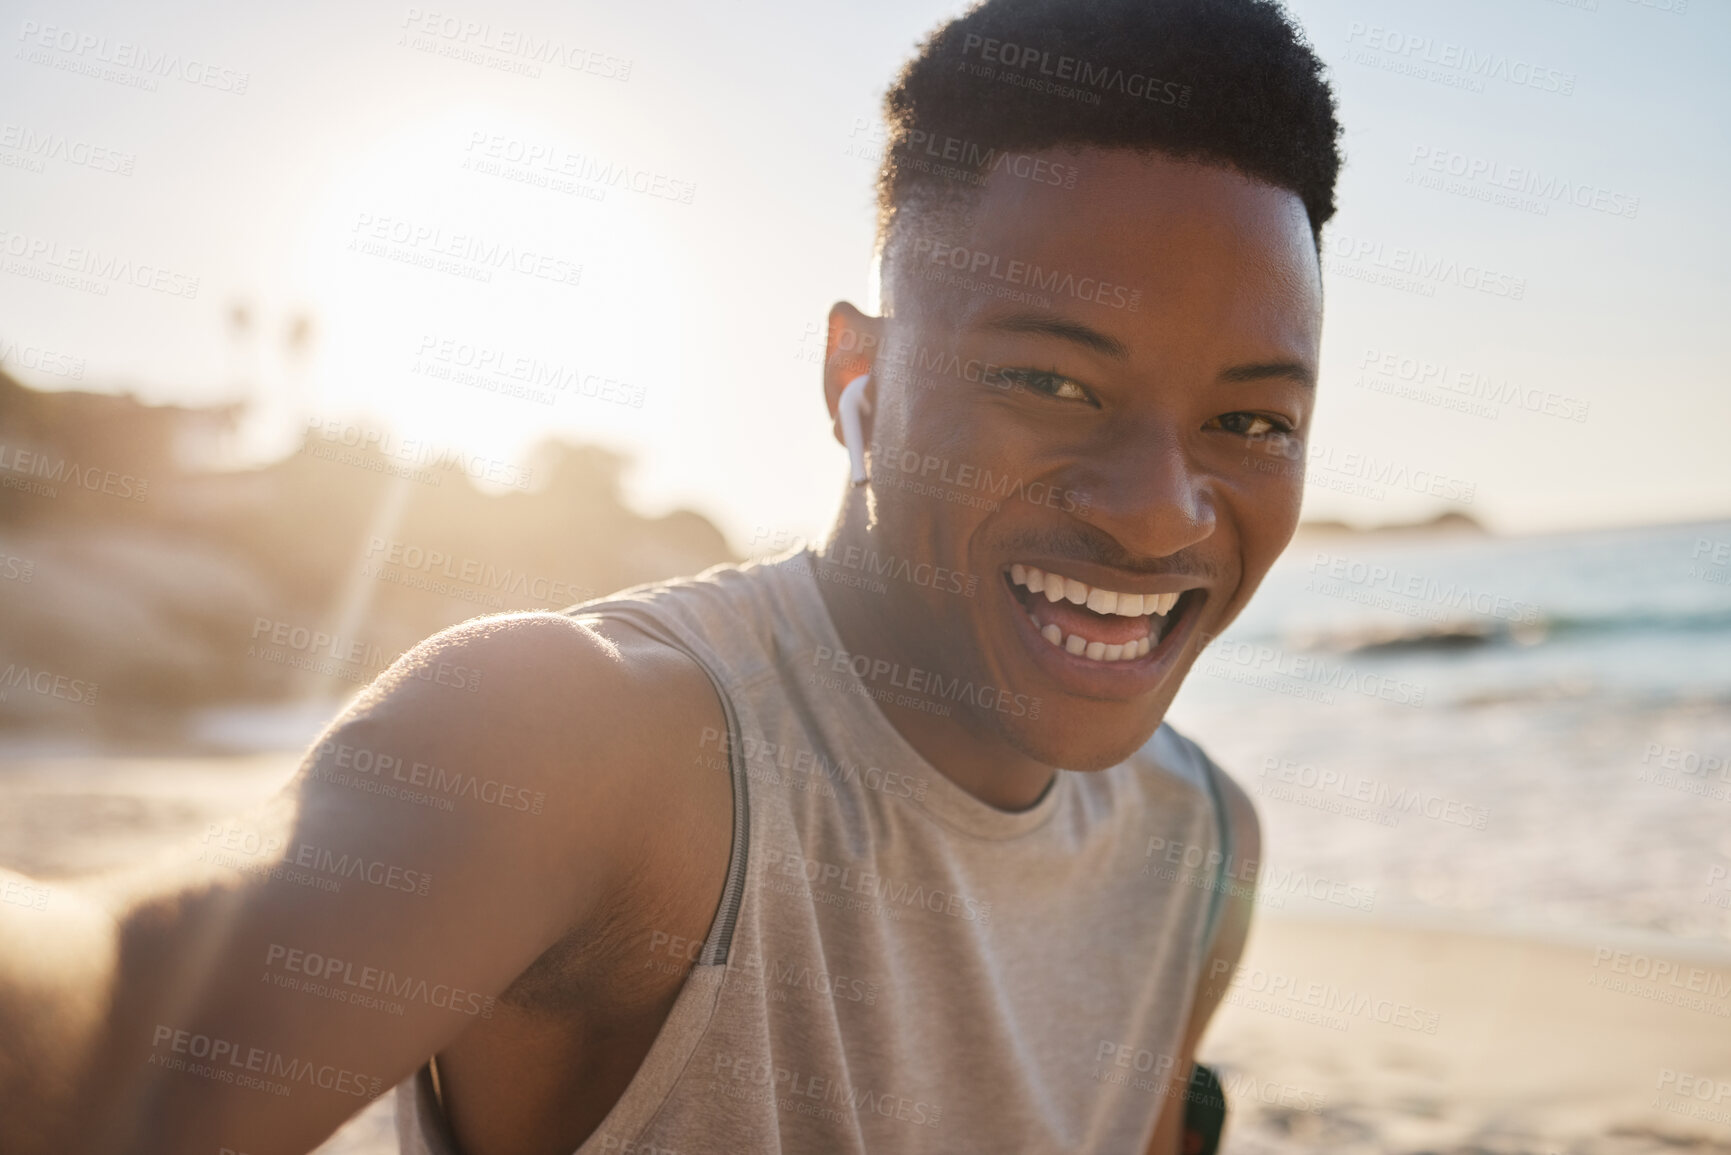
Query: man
{"x": 882, "y": 847}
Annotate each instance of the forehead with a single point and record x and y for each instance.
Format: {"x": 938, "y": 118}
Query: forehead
{"x": 1140, "y": 243}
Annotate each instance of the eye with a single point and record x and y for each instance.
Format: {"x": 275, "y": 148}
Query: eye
{"x": 1049, "y": 384}
{"x": 1254, "y": 425}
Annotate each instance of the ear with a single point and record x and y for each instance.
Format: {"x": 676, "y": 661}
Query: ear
{"x": 852, "y": 348}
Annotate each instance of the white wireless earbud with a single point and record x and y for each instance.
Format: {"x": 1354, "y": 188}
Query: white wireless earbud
{"x": 852, "y": 408}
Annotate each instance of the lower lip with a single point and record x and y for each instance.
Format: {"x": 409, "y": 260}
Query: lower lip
{"x": 1089, "y": 678}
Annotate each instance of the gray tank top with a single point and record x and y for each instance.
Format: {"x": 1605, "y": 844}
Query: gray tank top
{"x": 896, "y": 965}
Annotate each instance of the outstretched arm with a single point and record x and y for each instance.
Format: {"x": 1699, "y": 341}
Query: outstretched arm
{"x": 258, "y": 987}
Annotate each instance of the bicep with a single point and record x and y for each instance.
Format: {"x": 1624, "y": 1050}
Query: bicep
{"x": 304, "y": 959}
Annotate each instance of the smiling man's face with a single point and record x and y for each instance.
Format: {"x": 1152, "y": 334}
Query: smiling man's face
{"x": 1108, "y": 387}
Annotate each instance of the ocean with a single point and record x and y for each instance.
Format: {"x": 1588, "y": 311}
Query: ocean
{"x": 1530, "y": 732}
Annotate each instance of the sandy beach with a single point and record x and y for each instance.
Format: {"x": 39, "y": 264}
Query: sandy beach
{"x": 1375, "y": 1037}
{"x": 1346, "y": 1034}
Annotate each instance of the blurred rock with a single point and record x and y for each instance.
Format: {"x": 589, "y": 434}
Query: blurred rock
{"x": 137, "y": 582}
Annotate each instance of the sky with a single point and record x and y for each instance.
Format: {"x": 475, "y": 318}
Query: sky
{"x": 1523, "y": 282}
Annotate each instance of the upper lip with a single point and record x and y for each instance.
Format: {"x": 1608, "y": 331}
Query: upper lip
{"x": 1106, "y": 578}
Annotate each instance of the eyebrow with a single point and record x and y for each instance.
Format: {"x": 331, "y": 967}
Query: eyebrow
{"x": 1294, "y": 371}
{"x": 1042, "y": 325}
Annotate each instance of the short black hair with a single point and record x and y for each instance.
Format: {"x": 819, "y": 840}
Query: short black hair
{"x": 1229, "y": 82}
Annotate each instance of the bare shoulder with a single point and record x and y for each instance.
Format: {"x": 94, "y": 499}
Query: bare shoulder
{"x": 536, "y": 681}
{"x": 567, "y": 718}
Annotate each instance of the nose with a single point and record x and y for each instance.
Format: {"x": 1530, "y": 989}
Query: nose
{"x": 1148, "y": 492}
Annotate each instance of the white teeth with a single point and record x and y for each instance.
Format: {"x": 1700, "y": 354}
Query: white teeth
{"x": 1095, "y": 651}
{"x": 1057, "y": 587}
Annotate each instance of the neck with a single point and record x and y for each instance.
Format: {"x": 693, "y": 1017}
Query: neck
{"x": 963, "y": 745}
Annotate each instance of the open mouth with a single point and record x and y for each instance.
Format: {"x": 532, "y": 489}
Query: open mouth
{"x": 1099, "y": 624}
